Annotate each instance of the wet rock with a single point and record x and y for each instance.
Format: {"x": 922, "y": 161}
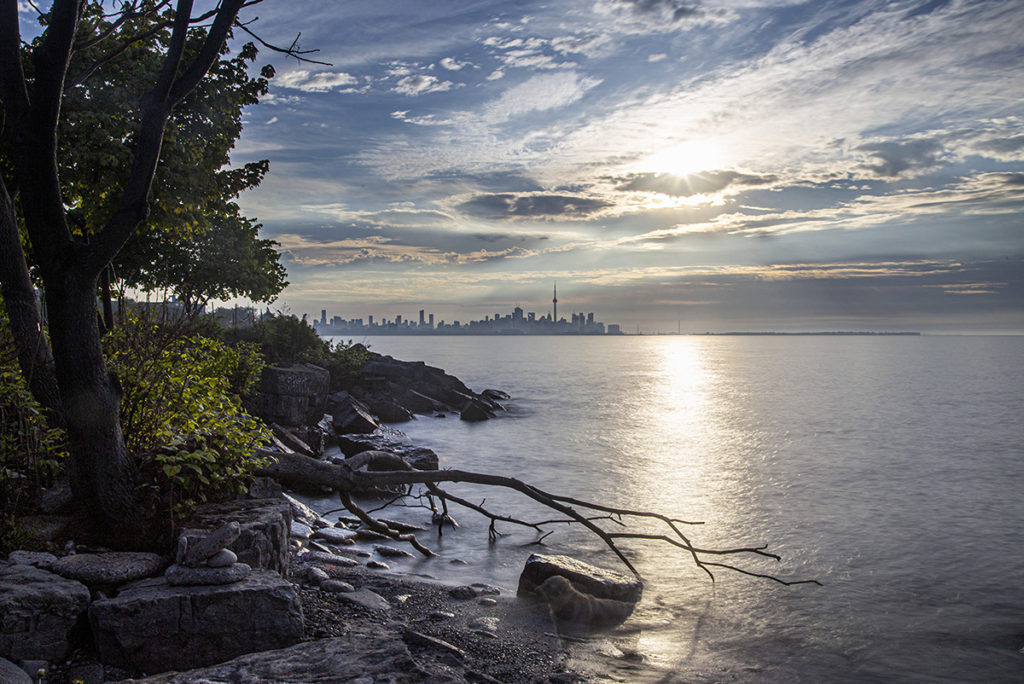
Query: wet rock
{"x": 349, "y": 415}
{"x": 571, "y": 606}
{"x": 336, "y": 535}
{"x": 392, "y": 441}
{"x": 496, "y": 395}
{"x": 367, "y": 599}
{"x": 486, "y": 589}
{"x": 302, "y": 513}
{"x": 300, "y": 530}
{"x": 179, "y": 575}
{"x": 378, "y": 565}
{"x": 154, "y": 626}
{"x": 462, "y": 593}
{"x": 327, "y": 558}
{"x": 440, "y": 615}
{"x": 591, "y": 579}
{"x": 487, "y": 602}
{"x": 457, "y": 561}
{"x": 38, "y": 611}
{"x": 367, "y": 534}
{"x": 37, "y": 559}
{"x": 264, "y": 488}
{"x": 114, "y": 567}
{"x": 474, "y": 412}
{"x": 392, "y": 552}
{"x": 315, "y": 575}
{"x": 389, "y": 412}
{"x": 335, "y": 586}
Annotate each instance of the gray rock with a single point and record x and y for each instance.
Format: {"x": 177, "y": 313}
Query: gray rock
{"x": 367, "y": 599}
{"x": 264, "y": 524}
{"x": 350, "y": 416}
{"x": 38, "y": 610}
{"x": 593, "y": 580}
{"x": 154, "y": 626}
{"x": 315, "y": 575}
{"x": 303, "y": 513}
{"x": 327, "y": 559}
{"x": 378, "y": 565}
{"x": 440, "y": 615}
{"x": 222, "y": 559}
{"x": 292, "y": 395}
{"x": 367, "y": 534}
{"x": 487, "y": 601}
{"x": 38, "y": 559}
{"x": 485, "y": 624}
{"x": 474, "y": 412}
{"x": 392, "y": 552}
{"x": 12, "y": 674}
{"x": 179, "y": 575}
{"x": 368, "y": 655}
{"x": 112, "y": 567}
{"x": 264, "y": 488}
{"x": 300, "y": 530}
{"x": 486, "y": 589}
{"x": 335, "y": 535}
{"x": 335, "y": 586}
{"x": 202, "y": 547}
{"x": 462, "y": 593}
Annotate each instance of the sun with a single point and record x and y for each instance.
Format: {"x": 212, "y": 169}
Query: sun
{"x": 684, "y": 159}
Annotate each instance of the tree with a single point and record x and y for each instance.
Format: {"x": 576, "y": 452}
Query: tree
{"x": 70, "y": 260}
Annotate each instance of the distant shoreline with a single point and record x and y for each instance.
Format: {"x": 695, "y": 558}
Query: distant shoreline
{"x": 456, "y": 333}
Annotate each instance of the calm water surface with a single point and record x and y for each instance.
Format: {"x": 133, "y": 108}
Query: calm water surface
{"x": 889, "y": 468}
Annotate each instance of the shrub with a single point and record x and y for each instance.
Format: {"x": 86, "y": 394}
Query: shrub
{"x": 181, "y": 412}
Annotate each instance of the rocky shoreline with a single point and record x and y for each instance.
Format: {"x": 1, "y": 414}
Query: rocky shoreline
{"x": 263, "y": 589}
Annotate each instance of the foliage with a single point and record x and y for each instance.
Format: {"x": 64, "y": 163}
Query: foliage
{"x": 287, "y": 339}
{"x": 32, "y": 453}
{"x": 195, "y": 241}
{"x": 181, "y": 412}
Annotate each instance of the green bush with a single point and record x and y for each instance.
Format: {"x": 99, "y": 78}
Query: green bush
{"x": 32, "y": 454}
{"x": 181, "y": 412}
{"x": 286, "y": 339}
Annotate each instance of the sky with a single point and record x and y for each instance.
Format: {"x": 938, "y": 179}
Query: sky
{"x": 708, "y": 165}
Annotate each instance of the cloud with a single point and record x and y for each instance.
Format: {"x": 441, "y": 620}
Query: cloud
{"x": 534, "y": 206}
{"x": 452, "y": 64}
{"x": 420, "y": 84}
{"x": 316, "y": 82}
{"x": 896, "y": 158}
{"x": 537, "y": 94}
{"x": 659, "y": 16}
{"x": 693, "y": 184}
{"x": 384, "y": 250}
{"x": 1002, "y": 149}
{"x": 656, "y": 57}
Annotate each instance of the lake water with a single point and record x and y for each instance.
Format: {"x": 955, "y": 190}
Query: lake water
{"x": 889, "y": 468}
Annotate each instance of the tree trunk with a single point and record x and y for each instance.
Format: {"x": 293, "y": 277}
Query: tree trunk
{"x": 34, "y": 355}
{"x": 102, "y": 473}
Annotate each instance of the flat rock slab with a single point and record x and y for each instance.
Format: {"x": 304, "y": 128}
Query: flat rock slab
{"x": 39, "y": 559}
{"x": 38, "y": 610}
{"x": 327, "y": 559}
{"x": 113, "y": 567}
{"x": 179, "y": 575}
{"x": 370, "y": 654}
{"x": 595, "y": 581}
{"x": 336, "y": 535}
{"x": 367, "y": 599}
{"x": 264, "y": 524}
{"x": 154, "y": 627}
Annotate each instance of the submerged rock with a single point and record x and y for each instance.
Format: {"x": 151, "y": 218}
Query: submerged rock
{"x": 595, "y": 581}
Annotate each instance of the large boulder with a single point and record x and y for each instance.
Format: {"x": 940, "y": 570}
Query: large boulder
{"x": 597, "y": 582}
{"x": 38, "y": 612}
{"x": 292, "y": 394}
{"x": 264, "y": 525}
{"x": 390, "y": 440}
{"x": 154, "y": 627}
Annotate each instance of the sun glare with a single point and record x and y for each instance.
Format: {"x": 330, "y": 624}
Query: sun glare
{"x": 693, "y": 156}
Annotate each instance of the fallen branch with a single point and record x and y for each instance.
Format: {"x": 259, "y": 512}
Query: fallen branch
{"x": 376, "y": 469}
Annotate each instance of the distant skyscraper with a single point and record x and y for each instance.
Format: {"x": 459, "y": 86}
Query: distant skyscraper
{"x": 421, "y": 318}
{"x": 431, "y": 321}
{"x": 323, "y": 317}
{"x": 554, "y": 303}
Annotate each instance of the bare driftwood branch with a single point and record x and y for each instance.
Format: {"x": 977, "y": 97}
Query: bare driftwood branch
{"x": 390, "y": 470}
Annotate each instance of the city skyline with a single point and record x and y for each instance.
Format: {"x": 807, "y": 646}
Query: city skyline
{"x": 734, "y": 165}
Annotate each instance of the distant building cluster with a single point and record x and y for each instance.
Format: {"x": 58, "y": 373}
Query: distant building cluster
{"x": 516, "y": 323}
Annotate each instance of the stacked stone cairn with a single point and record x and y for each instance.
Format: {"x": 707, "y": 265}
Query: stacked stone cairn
{"x": 208, "y": 560}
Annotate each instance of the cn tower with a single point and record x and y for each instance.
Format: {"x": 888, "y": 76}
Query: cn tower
{"x": 554, "y": 303}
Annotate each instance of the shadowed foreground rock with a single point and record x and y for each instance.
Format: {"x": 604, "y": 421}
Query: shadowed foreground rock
{"x": 152, "y": 626}
{"x": 595, "y": 581}
{"x": 38, "y": 611}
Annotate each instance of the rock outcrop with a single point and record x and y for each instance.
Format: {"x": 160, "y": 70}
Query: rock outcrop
{"x": 292, "y": 394}
{"x": 263, "y": 527}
